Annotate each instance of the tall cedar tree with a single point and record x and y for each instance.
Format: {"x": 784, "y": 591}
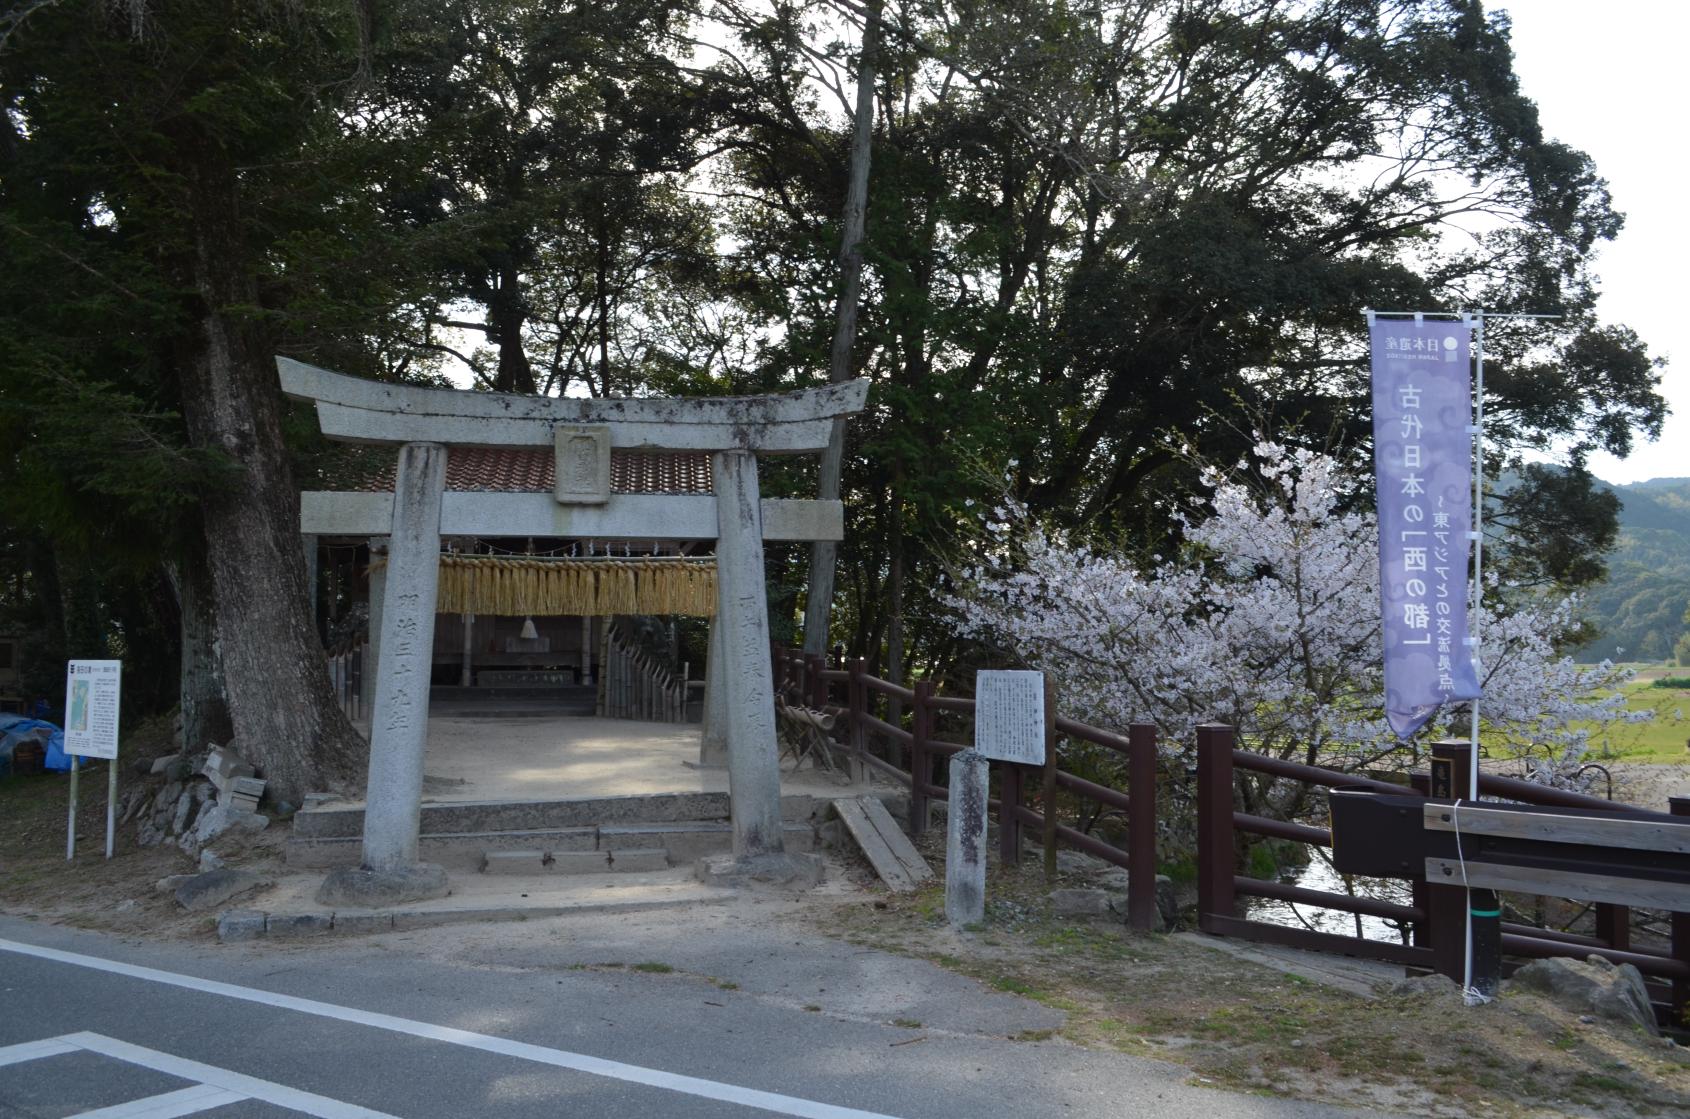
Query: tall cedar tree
{"x": 193, "y": 131}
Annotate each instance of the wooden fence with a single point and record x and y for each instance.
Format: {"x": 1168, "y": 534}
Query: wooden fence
{"x": 633, "y": 684}
{"x": 346, "y": 676}
{"x": 871, "y": 710}
{"x": 874, "y": 734}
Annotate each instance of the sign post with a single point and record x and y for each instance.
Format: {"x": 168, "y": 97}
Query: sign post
{"x": 1009, "y": 726}
{"x": 93, "y": 692}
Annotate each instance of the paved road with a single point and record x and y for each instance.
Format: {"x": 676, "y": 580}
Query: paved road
{"x": 89, "y": 1022}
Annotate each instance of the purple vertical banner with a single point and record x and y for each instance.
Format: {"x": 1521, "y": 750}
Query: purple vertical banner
{"x": 1423, "y": 466}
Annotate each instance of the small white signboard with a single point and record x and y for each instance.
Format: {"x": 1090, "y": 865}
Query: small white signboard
{"x": 92, "y": 692}
{"x": 1009, "y": 716}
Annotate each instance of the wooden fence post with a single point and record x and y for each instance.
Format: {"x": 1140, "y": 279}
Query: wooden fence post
{"x": 1141, "y": 827}
{"x": 1680, "y": 806}
{"x": 1009, "y": 821}
{"x": 1215, "y": 852}
{"x": 920, "y": 768}
{"x": 814, "y": 664}
{"x": 1049, "y": 799}
{"x": 1446, "y": 906}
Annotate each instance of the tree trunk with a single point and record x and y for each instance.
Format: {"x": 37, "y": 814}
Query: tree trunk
{"x": 281, "y": 704}
{"x": 508, "y": 317}
{"x": 824, "y": 554}
{"x": 204, "y": 705}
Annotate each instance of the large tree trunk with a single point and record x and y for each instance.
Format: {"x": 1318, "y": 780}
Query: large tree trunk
{"x": 824, "y": 554}
{"x": 280, "y": 700}
{"x": 204, "y": 704}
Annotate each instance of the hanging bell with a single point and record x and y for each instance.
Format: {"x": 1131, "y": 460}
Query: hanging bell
{"x": 529, "y": 633}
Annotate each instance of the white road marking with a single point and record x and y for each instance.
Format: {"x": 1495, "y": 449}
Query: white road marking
{"x": 539, "y": 1054}
{"x": 167, "y": 1105}
{"x": 229, "y": 1081}
{"x": 34, "y": 1051}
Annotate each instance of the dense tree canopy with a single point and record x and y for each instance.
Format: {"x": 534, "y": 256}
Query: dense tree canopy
{"x": 1096, "y": 235}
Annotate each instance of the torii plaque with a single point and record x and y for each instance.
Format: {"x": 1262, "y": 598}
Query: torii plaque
{"x": 426, "y": 423}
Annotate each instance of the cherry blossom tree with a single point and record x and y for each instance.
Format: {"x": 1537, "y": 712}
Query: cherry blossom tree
{"x": 1268, "y": 619}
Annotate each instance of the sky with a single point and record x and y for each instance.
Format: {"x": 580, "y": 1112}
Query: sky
{"x": 1610, "y": 79}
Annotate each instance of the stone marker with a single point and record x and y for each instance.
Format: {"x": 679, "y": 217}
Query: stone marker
{"x": 965, "y": 840}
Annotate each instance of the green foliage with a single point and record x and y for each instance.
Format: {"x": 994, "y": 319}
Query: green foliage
{"x": 1640, "y": 610}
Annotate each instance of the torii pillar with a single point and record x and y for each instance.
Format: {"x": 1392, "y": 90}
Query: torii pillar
{"x": 390, "y": 872}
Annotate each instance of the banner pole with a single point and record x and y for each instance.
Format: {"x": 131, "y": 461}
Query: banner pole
{"x": 1474, "y": 622}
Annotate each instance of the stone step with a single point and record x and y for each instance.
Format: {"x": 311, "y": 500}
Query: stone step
{"x": 636, "y": 861}
{"x": 682, "y": 843}
{"x": 460, "y": 817}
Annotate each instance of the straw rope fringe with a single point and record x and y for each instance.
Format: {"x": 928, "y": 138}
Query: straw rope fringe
{"x": 518, "y": 585}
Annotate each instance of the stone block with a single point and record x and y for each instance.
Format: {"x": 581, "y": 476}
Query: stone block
{"x": 546, "y": 862}
{"x": 234, "y": 925}
{"x": 214, "y": 887}
{"x": 787, "y": 871}
{"x": 362, "y": 924}
{"x": 363, "y": 888}
{"x": 643, "y": 859}
{"x": 298, "y": 924}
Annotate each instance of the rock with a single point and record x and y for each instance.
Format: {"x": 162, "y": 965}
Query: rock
{"x": 218, "y": 819}
{"x": 1078, "y": 862}
{"x": 359, "y": 888}
{"x": 168, "y": 884}
{"x": 126, "y": 905}
{"x": 214, "y": 887}
{"x": 790, "y": 870}
{"x": 1434, "y": 985}
{"x": 184, "y": 813}
{"x": 159, "y": 765}
{"x": 210, "y": 860}
{"x": 1167, "y": 903}
{"x": 203, "y": 791}
{"x": 1595, "y": 986}
{"x": 1069, "y": 902}
{"x": 240, "y": 924}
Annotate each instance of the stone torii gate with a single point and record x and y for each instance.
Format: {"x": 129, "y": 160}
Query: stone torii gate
{"x": 425, "y": 423}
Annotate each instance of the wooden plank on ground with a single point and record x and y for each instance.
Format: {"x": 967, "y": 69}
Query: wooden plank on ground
{"x": 887, "y": 848}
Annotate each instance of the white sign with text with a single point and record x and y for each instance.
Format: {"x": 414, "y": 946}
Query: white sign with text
{"x": 92, "y": 692}
{"x": 1009, "y": 716}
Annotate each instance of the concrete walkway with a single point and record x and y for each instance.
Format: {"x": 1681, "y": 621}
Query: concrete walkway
{"x": 526, "y": 758}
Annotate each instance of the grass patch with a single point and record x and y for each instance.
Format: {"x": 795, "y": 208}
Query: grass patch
{"x": 653, "y": 968}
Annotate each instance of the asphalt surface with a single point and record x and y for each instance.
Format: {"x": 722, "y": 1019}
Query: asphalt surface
{"x": 346, "y": 1029}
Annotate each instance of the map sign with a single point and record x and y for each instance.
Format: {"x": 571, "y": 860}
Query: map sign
{"x": 92, "y": 692}
{"x": 1009, "y": 716}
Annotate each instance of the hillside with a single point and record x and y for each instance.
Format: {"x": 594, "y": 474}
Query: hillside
{"x": 1640, "y": 609}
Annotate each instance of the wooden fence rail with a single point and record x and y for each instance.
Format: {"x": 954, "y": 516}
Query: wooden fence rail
{"x": 1437, "y": 917}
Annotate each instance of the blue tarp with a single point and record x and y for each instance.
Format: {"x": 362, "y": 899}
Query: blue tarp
{"x": 16, "y": 729}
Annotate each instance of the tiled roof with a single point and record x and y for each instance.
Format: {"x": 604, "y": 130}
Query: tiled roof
{"x": 519, "y": 470}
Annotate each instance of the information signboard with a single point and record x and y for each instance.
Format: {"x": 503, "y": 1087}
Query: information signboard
{"x": 1009, "y": 716}
{"x": 92, "y": 692}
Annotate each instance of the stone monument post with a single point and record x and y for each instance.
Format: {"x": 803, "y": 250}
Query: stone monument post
{"x": 965, "y": 840}
{"x": 742, "y": 619}
{"x": 390, "y": 872}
